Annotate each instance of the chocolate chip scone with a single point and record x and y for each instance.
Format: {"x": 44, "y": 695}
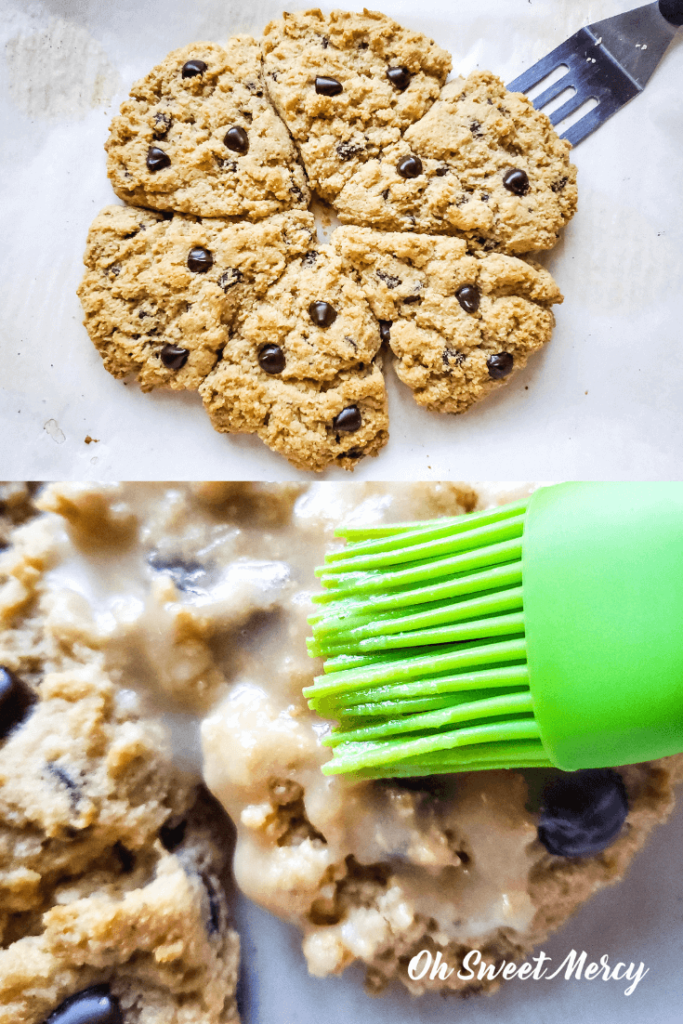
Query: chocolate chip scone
{"x": 301, "y": 369}
{"x": 358, "y": 94}
{"x": 199, "y": 135}
{"x": 458, "y": 323}
{"x": 159, "y": 292}
{"x": 347, "y": 85}
{"x": 111, "y": 861}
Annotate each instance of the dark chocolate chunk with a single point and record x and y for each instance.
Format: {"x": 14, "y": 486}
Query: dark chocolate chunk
{"x": 475, "y": 128}
{"x": 184, "y": 573}
{"x": 348, "y": 420}
{"x": 237, "y": 140}
{"x": 157, "y": 159}
{"x": 199, "y": 260}
{"x": 271, "y": 359}
{"x": 385, "y": 330}
{"x": 174, "y": 357}
{"x": 516, "y": 180}
{"x": 409, "y": 166}
{"x": 230, "y": 278}
{"x": 193, "y": 68}
{"x": 325, "y": 86}
{"x": 582, "y": 812}
{"x": 399, "y": 76}
{"x": 452, "y": 356}
{"x": 347, "y": 150}
{"x": 172, "y": 835}
{"x": 500, "y": 365}
{"x": 468, "y": 295}
{"x": 354, "y": 453}
{"x": 558, "y": 185}
{"x": 310, "y": 258}
{"x": 322, "y": 314}
{"x": 441, "y": 172}
{"x": 94, "y": 1005}
{"x": 16, "y": 701}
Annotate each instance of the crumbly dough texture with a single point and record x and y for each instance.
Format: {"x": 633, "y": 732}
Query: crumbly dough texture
{"x": 187, "y": 119}
{"x": 92, "y": 890}
{"x": 139, "y": 294}
{"x": 441, "y": 349}
{"x": 468, "y": 140}
{"x": 326, "y": 369}
{"x": 336, "y": 135}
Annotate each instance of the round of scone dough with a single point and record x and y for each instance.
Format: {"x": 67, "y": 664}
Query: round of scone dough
{"x": 111, "y": 864}
{"x": 199, "y": 135}
{"x": 458, "y": 323}
{"x": 347, "y": 85}
{"x": 159, "y": 292}
{"x": 300, "y": 369}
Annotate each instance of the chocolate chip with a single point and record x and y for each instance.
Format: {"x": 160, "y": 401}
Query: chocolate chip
{"x": 16, "y": 701}
{"x": 500, "y": 365}
{"x": 199, "y": 260}
{"x": 516, "y": 180}
{"x": 452, "y": 355}
{"x": 348, "y": 420}
{"x": 389, "y": 279}
{"x": 385, "y": 330}
{"x": 441, "y": 172}
{"x": 125, "y": 857}
{"x": 62, "y": 775}
{"x": 310, "y": 258}
{"x": 157, "y": 159}
{"x": 322, "y": 314}
{"x": 399, "y": 76}
{"x": 475, "y": 128}
{"x": 271, "y": 359}
{"x": 409, "y": 166}
{"x": 185, "y": 574}
{"x": 325, "y": 86}
{"x": 325, "y": 42}
{"x": 237, "y": 140}
{"x": 94, "y": 1005}
{"x": 468, "y": 295}
{"x": 230, "y": 278}
{"x": 558, "y": 185}
{"x": 174, "y": 357}
{"x": 363, "y": 46}
{"x": 354, "y": 453}
{"x": 347, "y": 150}
{"x": 162, "y": 123}
{"x": 193, "y": 68}
{"x": 172, "y": 835}
{"x": 214, "y": 921}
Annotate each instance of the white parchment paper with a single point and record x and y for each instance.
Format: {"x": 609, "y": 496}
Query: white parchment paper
{"x": 602, "y": 401}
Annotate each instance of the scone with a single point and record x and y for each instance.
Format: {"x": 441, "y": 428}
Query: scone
{"x": 301, "y": 369}
{"x": 199, "y": 135}
{"x": 458, "y": 323}
{"x": 112, "y": 861}
{"x": 160, "y": 289}
{"x": 390, "y": 149}
{"x": 197, "y": 596}
{"x": 347, "y": 85}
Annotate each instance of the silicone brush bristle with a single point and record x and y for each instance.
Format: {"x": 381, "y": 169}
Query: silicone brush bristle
{"x": 422, "y": 626}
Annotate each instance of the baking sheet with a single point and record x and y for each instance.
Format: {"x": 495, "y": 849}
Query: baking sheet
{"x": 602, "y": 401}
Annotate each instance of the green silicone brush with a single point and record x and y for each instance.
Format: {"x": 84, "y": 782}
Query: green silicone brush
{"x": 544, "y": 633}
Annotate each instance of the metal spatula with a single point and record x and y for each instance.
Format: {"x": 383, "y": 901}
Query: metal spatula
{"x": 610, "y": 61}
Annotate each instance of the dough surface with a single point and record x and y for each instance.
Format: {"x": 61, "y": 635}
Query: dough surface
{"x": 184, "y": 121}
{"x": 449, "y": 355}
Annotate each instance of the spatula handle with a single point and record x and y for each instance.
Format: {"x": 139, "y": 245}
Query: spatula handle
{"x": 672, "y": 10}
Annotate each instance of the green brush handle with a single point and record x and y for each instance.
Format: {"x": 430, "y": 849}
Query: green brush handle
{"x": 544, "y": 632}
